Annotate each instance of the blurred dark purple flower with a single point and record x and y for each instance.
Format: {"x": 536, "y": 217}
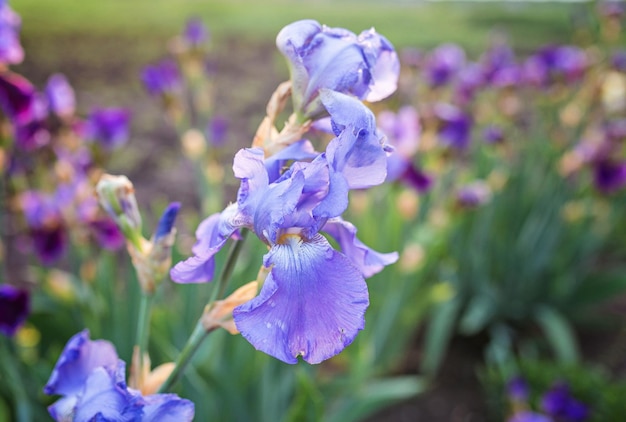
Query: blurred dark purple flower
{"x": 551, "y": 64}
{"x": 162, "y": 78}
{"x": 108, "y": 126}
{"x": 60, "y": 95}
{"x": 403, "y": 132}
{"x": 46, "y": 227}
{"x": 11, "y": 51}
{"x": 455, "y": 126}
{"x": 609, "y": 175}
{"x": 14, "y": 308}
{"x": 107, "y": 234}
{"x": 469, "y": 80}
{"x": 618, "y": 60}
{"x": 499, "y": 66}
{"x": 320, "y": 57}
{"x": 217, "y": 130}
{"x": 91, "y": 378}
{"x": 443, "y": 64}
{"x": 473, "y": 194}
{"x": 517, "y": 389}
{"x": 493, "y": 134}
{"x": 559, "y": 403}
{"x": 527, "y": 416}
{"x": 195, "y": 32}
{"x": 17, "y": 96}
{"x": 611, "y": 8}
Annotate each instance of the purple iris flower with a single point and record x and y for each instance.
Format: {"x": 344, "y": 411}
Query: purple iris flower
{"x": 527, "y": 416}
{"x": 443, "y": 64}
{"x": 313, "y": 301}
{"x": 195, "y": 32}
{"x": 217, "y": 130}
{"x": 517, "y": 389}
{"x": 559, "y": 403}
{"x": 469, "y": 80}
{"x": 61, "y": 99}
{"x": 46, "y": 226}
{"x": 555, "y": 64}
{"x": 493, "y": 134}
{"x": 108, "y": 126}
{"x": 17, "y": 96}
{"x": 473, "y": 194}
{"x": 14, "y": 308}
{"x": 91, "y": 378}
{"x": 403, "y": 131}
{"x": 609, "y": 175}
{"x": 11, "y": 51}
{"x": 618, "y": 60}
{"x": 455, "y": 126}
{"x": 319, "y": 57}
{"x": 499, "y": 66}
{"x": 162, "y": 78}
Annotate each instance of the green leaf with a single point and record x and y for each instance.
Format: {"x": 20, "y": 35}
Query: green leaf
{"x": 438, "y": 333}
{"x": 559, "y": 334}
{"x": 477, "y": 315}
{"x": 377, "y": 394}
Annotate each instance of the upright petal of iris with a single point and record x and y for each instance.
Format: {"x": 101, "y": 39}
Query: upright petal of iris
{"x": 320, "y": 57}
{"x": 312, "y": 303}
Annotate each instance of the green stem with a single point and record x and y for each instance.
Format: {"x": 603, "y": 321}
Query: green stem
{"x": 200, "y": 333}
{"x": 229, "y": 266}
{"x": 193, "y": 343}
{"x": 143, "y": 328}
{"x": 8, "y": 361}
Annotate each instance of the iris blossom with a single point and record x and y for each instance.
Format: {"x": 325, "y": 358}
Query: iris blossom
{"x": 11, "y": 51}
{"x": 61, "y": 98}
{"x": 108, "y": 126}
{"x": 313, "y": 301}
{"x": 14, "y": 308}
{"x": 319, "y": 57}
{"x": 90, "y": 377}
{"x": 403, "y": 131}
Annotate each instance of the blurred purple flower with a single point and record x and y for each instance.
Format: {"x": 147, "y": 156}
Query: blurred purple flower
{"x": 320, "y": 57}
{"x": 108, "y": 126}
{"x": 473, "y": 194}
{"x": 217, "y": 130}
{"x": 195, "y": 32}
{"x": 91, "y": 378}
{"x": 555, "y": 64}
{"x": 60, "y": 95}
{"x": 618, "y": 60}
{"x": 313, "y": 300}
{"x": 499, "y": 66}
{"x": 527, "y": 416}
{"x": 469, "y": 80}
{"x": 413, "y": 57}
{"x": 455, "y": 126}
{"x": 517, "y": 389}
{"x": 11, "y": 51}
{"x": 162, "y": 78}
{"x": 46, "y": 227}
{"x": 609, "y": 175}
{"x": 559, "y": 403}
{"x": 493, "y": 134}
{"x": 17, "y": 96}
{"x": 14, "y": 308}
{"x": 403, "y": 132}
{"x": 443, "y": 64}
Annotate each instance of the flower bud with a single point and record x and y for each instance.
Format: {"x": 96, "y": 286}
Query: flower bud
{"x": 117, "y": 196}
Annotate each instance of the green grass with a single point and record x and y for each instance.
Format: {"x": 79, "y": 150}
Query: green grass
{"x": 404, "y": 23}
